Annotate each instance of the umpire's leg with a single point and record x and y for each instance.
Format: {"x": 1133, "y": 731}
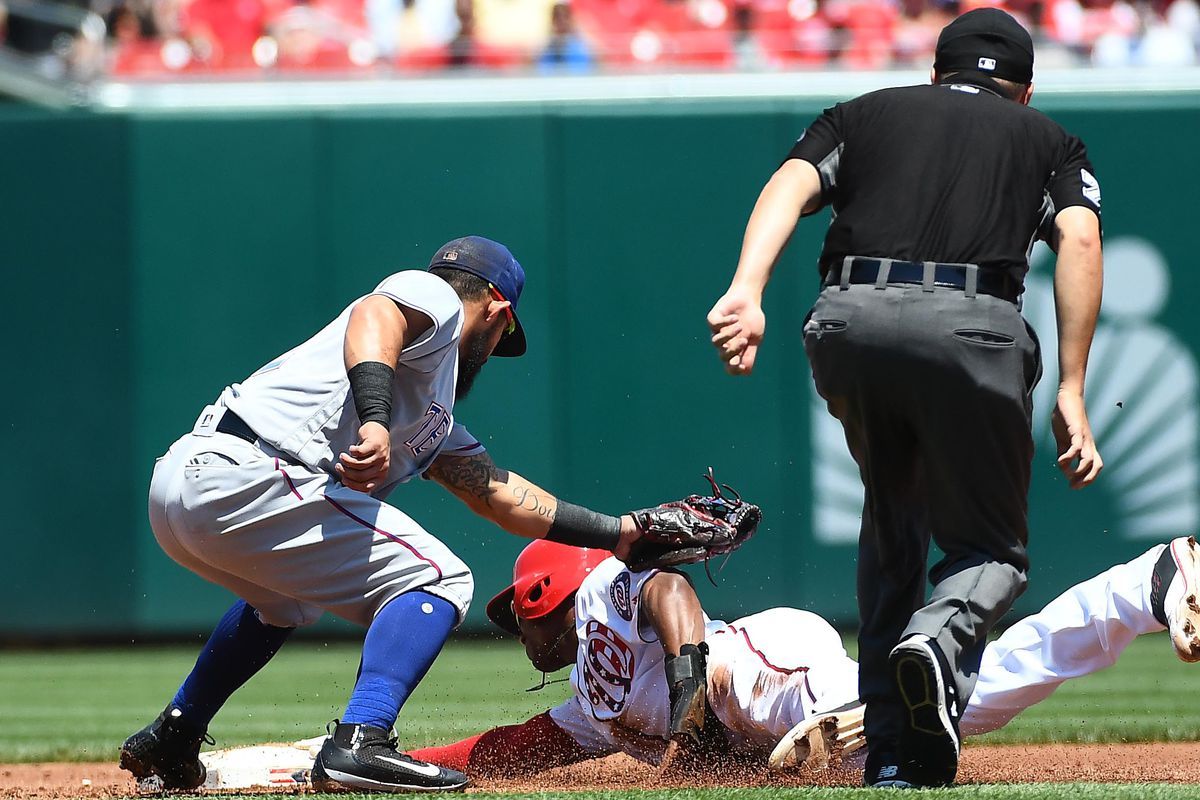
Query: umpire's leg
{"x": 892, "y": 547}
{"x": 857, "y": 378}
{"x": 890, "y": 588}
{"x": 977, "y": 450}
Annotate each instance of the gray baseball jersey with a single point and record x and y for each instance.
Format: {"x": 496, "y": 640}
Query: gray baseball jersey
{"x": 271, "y": 522}
{"x": 301, "y": 404}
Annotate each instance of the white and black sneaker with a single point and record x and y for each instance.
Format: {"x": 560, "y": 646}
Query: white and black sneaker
{"x": 365, "y": 757}
{"x": 929, "y": 744}
{"x": 1175, "y": 588}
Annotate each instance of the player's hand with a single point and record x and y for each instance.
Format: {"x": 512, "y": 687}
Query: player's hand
{"x": 737, "y": 324}
{"x": 366, "y": 466}
{"x": 629, "y": 535}
{"x": 1078, "y": 457}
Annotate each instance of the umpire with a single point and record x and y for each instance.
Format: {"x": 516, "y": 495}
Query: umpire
{"x": 919, "y": 348}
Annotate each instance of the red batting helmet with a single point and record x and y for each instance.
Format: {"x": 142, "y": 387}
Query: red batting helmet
{"x": 545, "y": 575}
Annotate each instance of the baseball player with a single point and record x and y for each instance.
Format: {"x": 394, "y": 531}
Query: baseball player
{"x": 277, "y": 495}
{"x": 774, "y": 675}
{"x": 918, "y": 346}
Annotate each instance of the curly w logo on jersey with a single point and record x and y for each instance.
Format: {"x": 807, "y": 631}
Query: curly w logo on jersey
{"x": 608, "y": 669}
{"x": 619, "y": 594}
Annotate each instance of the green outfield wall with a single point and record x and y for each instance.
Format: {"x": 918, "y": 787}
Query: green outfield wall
{"x": 150, "y": 259}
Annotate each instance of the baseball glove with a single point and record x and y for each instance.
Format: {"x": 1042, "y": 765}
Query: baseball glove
{"x": 693, "y": 529}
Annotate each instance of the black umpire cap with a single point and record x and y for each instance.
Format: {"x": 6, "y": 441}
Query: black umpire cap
{"x": 988, "y": 41}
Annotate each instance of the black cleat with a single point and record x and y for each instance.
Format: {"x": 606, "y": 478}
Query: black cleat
{"x": 882, "y": 770}
{"x": 365, "y": 757}
{"x": 929, "y": 744}
{"x": 168, "y": 748}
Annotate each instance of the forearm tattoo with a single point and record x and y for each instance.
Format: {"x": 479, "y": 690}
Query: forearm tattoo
{"x": 529, "y": 500}
{"x": 469, "y": 475}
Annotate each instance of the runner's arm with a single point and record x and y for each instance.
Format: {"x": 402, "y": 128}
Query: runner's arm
{"x": 669, "y": 605}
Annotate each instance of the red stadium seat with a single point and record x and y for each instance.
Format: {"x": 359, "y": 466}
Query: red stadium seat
{"x": 331, "y": 57}
{"x": 699, "y": 48}
{"x": 140, "y": 58}
{"x": 425, "y": 59}
{"x": 230, "y": 27}
{"x": 156, "y": 58}
{"x": 807, "y": 44}
{"x": 870, "y": 24}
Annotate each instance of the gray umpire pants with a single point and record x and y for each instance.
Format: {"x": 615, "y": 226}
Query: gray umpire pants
{"x": 934, "y": 391}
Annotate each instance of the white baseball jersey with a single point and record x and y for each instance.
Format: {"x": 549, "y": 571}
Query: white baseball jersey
{"x": 766, "y": 672}
{"x": 301, "y": 403}
{"x": 769, "y": 671}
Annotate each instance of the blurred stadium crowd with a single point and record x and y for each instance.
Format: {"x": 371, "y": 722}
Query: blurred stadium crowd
{"x": 150, "y": 38}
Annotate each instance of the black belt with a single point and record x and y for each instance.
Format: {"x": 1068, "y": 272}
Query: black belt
{"x": 234, "y": 425}
{"x": 952, "y": 276}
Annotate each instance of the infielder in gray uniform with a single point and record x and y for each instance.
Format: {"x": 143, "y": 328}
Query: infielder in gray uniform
{"x": 277, "y": 495}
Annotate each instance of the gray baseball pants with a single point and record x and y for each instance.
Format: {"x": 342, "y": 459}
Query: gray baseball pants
{"x": 288, "y": 538}
{"x": 934, "y": 391}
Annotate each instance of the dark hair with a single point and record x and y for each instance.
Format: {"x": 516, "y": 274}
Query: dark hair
{"x": 467, "y": 285}
{"x": 1011, "y": 89}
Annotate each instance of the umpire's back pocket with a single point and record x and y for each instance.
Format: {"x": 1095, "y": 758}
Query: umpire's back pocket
{"x": 985, "y": 338}
{"x": 822, "y": 327}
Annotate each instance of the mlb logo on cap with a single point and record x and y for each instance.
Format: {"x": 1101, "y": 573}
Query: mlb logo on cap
{"x": 450, "y": 255}
{"x": 986, "y": 40}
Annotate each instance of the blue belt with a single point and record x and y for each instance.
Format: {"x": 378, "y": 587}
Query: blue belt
{"x": 234, "y": 425}
{"x": 881, "y": 272}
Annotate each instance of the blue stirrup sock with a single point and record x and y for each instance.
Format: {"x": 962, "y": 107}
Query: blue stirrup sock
{"x": 240, "y": 646}
{"x": 402, "y": 642}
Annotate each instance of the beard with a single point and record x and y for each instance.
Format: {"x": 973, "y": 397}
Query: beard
{"x": 470, "y": 362}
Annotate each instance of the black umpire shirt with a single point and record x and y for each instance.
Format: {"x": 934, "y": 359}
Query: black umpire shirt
{"x": 950, "y": 172}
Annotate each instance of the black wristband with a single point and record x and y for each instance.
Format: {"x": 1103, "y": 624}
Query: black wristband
{"x": 371, "y": 385}
{"x": 581, "y": 527}
{"x": 691, "y": 663}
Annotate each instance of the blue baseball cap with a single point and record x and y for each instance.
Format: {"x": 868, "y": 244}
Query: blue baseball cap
{"x": 494, "y": 263}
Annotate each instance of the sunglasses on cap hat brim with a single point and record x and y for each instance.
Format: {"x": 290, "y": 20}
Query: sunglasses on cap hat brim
{"x": 512, "y": 320}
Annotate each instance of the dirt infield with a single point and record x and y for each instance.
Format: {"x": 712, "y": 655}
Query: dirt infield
{"x": 1108, "y": 763}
